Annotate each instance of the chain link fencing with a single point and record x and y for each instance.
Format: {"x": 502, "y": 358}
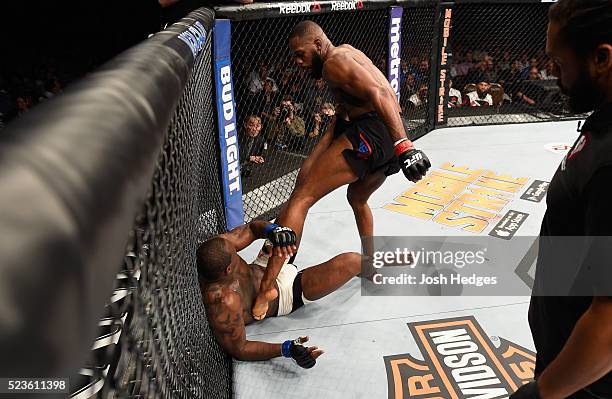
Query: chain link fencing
{"x": 418, "y": 27}
{"x": 499, "y": 71}
{"x": 166, "y": 349}
{"x": 270, "y": 89}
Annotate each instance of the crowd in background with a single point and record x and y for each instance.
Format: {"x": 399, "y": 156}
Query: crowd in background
{"x": 282, "y": 108}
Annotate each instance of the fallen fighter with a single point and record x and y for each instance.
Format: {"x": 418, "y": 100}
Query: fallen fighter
{"x": 229, "y": 286}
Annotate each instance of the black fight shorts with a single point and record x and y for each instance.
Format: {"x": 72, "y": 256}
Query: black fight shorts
{"x": 372, "y": 146}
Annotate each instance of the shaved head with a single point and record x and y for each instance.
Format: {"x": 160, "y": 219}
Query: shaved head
{"x": 308, "y": 42}
{"x": 306, "y": 29}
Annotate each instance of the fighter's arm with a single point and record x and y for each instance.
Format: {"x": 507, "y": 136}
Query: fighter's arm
{"x": 242, "y": 236}
{"x": 228, "y": 328}
{"x": 346, "y": 74}
{"x": 586, "y": 356}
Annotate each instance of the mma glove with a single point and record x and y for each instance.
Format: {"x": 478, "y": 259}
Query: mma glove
{"x": 299, "y": 353}
{"x": 527, "y": 391}
{"x": 280, "y": 236}
{"x": 414, "y": 162}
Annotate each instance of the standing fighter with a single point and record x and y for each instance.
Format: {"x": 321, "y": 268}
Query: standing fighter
{"x": 364, "y": 143}
{"x": 571, "y": 305}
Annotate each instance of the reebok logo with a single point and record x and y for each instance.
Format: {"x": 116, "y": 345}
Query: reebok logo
{"x": 346, "y": 5}
{"x": 300, "y": 8}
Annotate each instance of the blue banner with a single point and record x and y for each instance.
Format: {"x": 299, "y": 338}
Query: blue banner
{"x": 395, "y": 45}
{"x": 228, "y": 135}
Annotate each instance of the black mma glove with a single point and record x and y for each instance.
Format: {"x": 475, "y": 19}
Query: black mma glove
{"x": 527, "y": 391}
{"x": 414, "y": 162}
{"x": 280, "y": 236}
{"x": 295, "y": 350}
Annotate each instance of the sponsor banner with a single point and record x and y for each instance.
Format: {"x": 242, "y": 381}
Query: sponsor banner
{"x": 226, "y": 115}
{"x": 558, "y": 148}
{"x": 314, "y": 7}
{"x": 459, "y": 361}
{"x": 395, "y": 45}
{"x": 459, "y": 197}
{"x": 536, "y": 192}
{"x": 194, "y": 37}
{"x": 443, "y": 78}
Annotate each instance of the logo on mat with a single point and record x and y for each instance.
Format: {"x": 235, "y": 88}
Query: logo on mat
{"x": 536, "y": 192}
{"x": 461, "y": 197}
{"x": 509, "y": 224}
{"x": 459, "y": 361}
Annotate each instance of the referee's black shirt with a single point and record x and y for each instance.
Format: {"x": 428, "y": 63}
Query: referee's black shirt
{"x": 579, "y": 203}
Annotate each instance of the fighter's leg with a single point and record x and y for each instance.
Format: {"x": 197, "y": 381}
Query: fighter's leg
{"x": 357, "y": 195}
{"x": 316, "y": 152}
{"x": 327, "y": 174}
{"x": 325, "y": 278}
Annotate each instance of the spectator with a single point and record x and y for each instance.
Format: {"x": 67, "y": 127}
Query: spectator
{"x": 286, "y": 129}
{"x": 533, "y": 63}
{"x": 320, "y": 122}
{"x": 423, "y": 72}
{"x": 511, "y": 77}
{"x": 23, "y": 105}
{"x": 285, "y": 80}
{"x": 319, "y": 95}
{"x": 265, "y": 101}
{"x": 454, "y": 96}
{"x": 483, "y": 72}
{"x": 547, "y": 73}
{"x": 419, "y": 98}
{"x": 534, "y": 74}
{"x": 409, "y": 87}
{"x": 505, "y": 63}
{"x": 404, "y": 70}
{"x": 413, "y": 66}
{"x": 258, "y": 78}
{"x": 252, "y": 144}
{"x": 480, "y": 97}
{"x": 466, "y": 65}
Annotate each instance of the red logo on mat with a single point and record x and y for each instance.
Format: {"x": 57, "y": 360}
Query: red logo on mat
{"x": 359, "y": 5}
{"x": 316, "y": 7}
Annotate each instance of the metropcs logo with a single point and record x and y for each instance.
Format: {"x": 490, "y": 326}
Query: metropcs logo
{"x": 460, "y": 361}
{"x": 314, "y": 7}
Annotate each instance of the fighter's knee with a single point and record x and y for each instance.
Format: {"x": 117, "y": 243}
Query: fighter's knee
{"x": 354, "y": 200}
{"x": 301, "y": 198}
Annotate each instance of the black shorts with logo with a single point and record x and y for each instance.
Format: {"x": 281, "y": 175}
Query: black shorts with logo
{"x": 372, "y": 145}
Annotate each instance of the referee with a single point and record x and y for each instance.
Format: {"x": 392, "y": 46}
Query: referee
{"x": 571, "y": 305}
